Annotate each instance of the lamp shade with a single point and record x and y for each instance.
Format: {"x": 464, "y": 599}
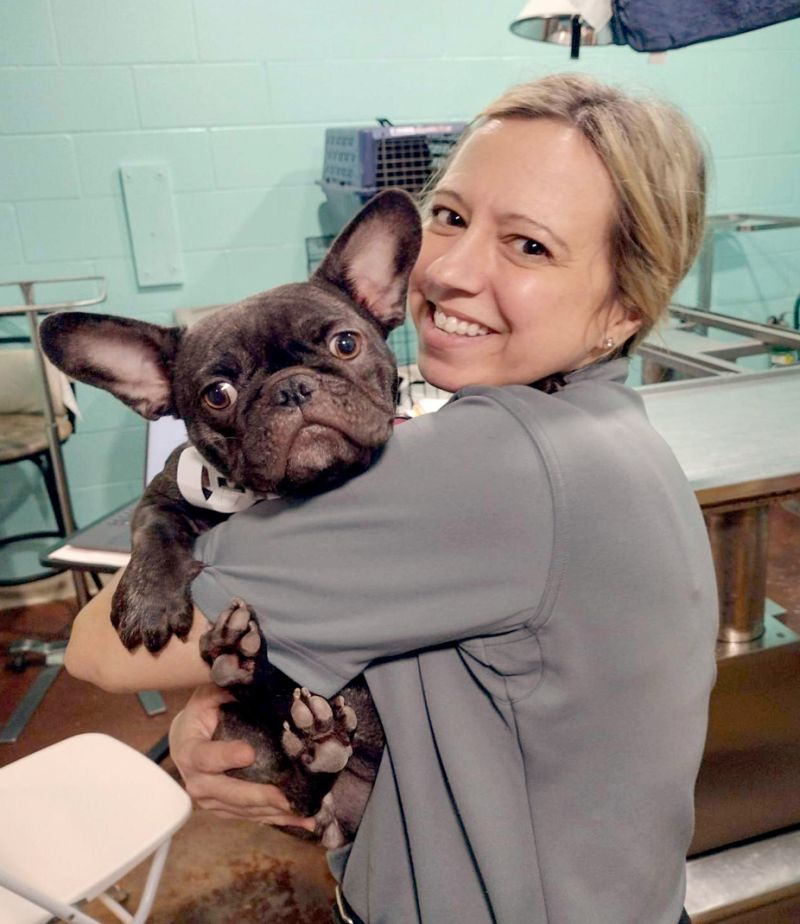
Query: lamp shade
{"x": 565, "y": 22}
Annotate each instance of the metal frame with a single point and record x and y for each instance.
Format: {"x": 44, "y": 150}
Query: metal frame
{"x": 31, "y": 311}
{"x": 741, "y": 222}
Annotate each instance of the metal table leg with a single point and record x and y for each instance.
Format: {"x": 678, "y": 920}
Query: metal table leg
{"x": 739, "y": 546}
{"x": 35, "y": 694}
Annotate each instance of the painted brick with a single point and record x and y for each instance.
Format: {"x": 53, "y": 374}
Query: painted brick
{"x": 247, "y": 218}
{"x": 210, "y": 94}
{"x": 37, "y": 168}
{"x": 11, "y": 295}
{"x": 753, "y": 76}
{"x": 736, "y": 282}
{"x": 101, "y": 411}
{"x": 187, "y": 152}
{"x": 92, "y": 503}
{"x": 207, "y": 281}
{"x": 67, "y": 99}
{"x": 360, "y": 91}
{"x": 125, "y": 31}
{"x": 254, "y": 30}
{"x": 274, "y": 156}
{"x": 206, "y": 284}
{"x": 256, "y": 269}
{"x": 72, "y": 229}
{"x": 10, "y": 247}
{"x": 770, "y": 128}
{"x": 24, "y": 502}
{"x": 26, "y": 36}
{"x": 98, "y": 457}
{"x": 682, "y": 77}
{"x": 756, "y": 183}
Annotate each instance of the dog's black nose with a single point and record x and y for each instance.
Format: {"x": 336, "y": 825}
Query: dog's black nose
{"x": 296, "y": 391}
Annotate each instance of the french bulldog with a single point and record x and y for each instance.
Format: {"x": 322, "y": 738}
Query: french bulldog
{"x": 288, "y": 392}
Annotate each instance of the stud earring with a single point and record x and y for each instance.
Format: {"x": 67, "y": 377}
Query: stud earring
{"x": 608, "y": 343}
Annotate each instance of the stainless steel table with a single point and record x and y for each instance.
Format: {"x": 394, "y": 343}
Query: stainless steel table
{"x": 738, "y": 440}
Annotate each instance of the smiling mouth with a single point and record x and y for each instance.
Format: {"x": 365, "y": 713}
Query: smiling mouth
{"x": 458, "y": 327}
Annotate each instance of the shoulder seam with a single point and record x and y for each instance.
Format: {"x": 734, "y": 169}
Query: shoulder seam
{"x": 559, "y": 551}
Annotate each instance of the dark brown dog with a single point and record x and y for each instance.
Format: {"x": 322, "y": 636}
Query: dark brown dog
{"x": 290, "y": 392}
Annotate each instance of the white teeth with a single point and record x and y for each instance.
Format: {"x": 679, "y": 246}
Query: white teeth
{"x": 456, "y": 326}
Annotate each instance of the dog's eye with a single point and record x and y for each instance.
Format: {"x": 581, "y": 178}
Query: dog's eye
{"x": 345, "y": 345}
{"x": 219, "y": 396}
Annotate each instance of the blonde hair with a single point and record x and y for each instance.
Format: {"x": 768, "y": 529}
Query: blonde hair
{"x": 657, "y": 166}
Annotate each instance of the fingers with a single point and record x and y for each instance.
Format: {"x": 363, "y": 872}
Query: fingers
{"x": 238, "y": 797}
{"x": 294, "y": 821}
{"x": 203, "y": 762}
{"x": 199, "y": 755}
{"x": 209, "y": 694}
{"x": 263, "y": 818}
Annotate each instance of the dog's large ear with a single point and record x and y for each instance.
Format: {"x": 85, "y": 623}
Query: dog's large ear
{"x": 372, "y": 257}
{"x": 131, "y": 359}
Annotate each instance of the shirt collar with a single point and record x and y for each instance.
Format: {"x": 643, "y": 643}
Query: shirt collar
{"x": 609, "y": 370}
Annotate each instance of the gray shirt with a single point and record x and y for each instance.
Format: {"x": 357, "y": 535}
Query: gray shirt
{"x": 526, "y": 582}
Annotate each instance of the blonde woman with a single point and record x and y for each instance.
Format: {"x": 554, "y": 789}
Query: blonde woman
{"x": 524, "y": 577}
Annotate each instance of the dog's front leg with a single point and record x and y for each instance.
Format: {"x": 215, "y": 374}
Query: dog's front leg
{"x": 153, "y": 599}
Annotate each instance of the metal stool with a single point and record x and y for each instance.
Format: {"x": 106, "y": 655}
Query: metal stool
{"x": 35, "y": 433}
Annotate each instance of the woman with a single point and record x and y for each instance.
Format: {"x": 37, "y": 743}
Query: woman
{"x": 523, "y": 577}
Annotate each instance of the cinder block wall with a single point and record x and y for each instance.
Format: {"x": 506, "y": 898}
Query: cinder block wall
{"x": 234, "y": 96}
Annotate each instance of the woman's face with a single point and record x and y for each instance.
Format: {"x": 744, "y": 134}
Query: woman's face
{"x": 514, "y": 281}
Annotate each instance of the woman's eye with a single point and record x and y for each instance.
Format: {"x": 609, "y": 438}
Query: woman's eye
{"x": 532, "y": 248}
{"x": 345, "y": 345}
{"x": 219, "y": 396}
{"x": 442, "y": 215}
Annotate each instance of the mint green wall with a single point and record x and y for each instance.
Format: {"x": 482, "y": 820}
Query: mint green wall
{"x": 235, "y": 94}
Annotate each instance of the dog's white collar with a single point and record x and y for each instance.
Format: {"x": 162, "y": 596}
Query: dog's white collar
{"x": 203, "y": 486}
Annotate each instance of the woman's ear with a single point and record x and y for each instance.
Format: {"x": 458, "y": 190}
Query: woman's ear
{"x": 619, "y": 324}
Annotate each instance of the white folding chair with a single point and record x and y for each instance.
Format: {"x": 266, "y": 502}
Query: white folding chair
{"x": 76, "y": 817}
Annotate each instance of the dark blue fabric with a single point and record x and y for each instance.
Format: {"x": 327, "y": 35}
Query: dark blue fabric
{"x": 659, "y": 25}
{"x": 685, "y": 919}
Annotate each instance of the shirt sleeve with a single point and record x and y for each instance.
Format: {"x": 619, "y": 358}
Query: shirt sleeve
{"x": 448, "y": 536}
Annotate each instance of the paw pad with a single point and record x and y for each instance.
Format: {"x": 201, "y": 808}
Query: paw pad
{"x": 319, "y": 734}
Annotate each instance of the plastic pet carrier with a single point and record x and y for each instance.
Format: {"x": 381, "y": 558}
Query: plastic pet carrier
{"x": 360, "y": 161}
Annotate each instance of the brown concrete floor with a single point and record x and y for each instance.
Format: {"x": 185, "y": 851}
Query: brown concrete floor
{"x": 229, "y": 872}
{"x": 219, "y": 871}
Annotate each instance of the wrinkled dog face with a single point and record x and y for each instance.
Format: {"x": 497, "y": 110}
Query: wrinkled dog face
{"x": 287, "y": 391}
{"x": 300, "y": 395}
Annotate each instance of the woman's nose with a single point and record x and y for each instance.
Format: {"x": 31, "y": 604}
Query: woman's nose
{"x": 460, "y": 264}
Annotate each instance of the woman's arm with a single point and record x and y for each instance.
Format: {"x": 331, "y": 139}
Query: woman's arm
{"x": 95, "y": 653}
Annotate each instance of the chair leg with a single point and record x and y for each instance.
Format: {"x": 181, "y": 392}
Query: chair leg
{"x": 45, "y": 466}
{"x": 71, "y": 913}
{"x": 152, "y": 882}
{"x": 148, "y": 893}
{"x": 58, "y": 909}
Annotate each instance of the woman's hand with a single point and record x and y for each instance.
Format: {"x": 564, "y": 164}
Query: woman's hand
{"x": 202, "y": 763}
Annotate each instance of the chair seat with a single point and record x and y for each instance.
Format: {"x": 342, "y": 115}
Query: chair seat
{"x": 78, "y": 815}
{"x": 21, "y": 435}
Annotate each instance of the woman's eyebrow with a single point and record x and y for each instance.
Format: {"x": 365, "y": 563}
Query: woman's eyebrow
{"x": 512, "y": 216}
{"x": 519, "y": 216}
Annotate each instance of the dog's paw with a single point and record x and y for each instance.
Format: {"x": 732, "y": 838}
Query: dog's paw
{"x": 149, "y": 612}
{"x": 230, "y": 646}
{"x": 320, "y": 733}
